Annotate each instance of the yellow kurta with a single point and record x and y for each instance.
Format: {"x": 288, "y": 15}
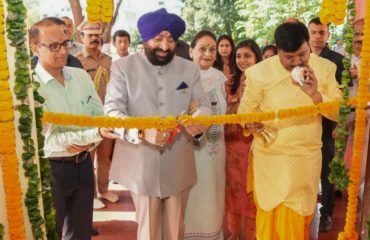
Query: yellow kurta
{"x": 288, "y": 171}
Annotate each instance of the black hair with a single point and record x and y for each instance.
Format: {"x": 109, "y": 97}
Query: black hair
{"x": 289, "y": 37}
{"x": 316, "y": 21}
{"x": 253, "y": 46}
{"x": 269, "y": 47}
{"x": 219, "y": 63}
{"x": 121, "y": 33}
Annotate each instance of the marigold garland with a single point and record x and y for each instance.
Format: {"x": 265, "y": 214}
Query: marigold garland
{"x": 170, "y": 121}
{"x": 99, "y": 10}
{"x": 9, "y": 160}
{"x": 333, "y": 11}
{"x": 16, "y": 30}
{"x": 359, "y": 135}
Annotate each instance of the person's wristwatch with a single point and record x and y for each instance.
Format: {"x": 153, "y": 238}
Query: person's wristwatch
{"x": 198, "y": 137}
{"x": 132, "y": 135}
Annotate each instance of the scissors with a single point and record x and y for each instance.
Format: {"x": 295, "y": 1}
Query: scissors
{"x": 177, "y": 129}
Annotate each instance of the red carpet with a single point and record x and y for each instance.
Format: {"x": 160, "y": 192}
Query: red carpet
{"x": 117, "y": 222}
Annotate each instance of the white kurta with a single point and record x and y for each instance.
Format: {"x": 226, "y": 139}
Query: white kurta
{"x": 205, "y": 207}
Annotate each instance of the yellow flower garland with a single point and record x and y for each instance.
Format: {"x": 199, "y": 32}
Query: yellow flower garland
{"x": 8, "y": 157}
{"x": 359, "y": 136}
{"x": 333, "y": 11}
{"x": 170, "y": 121}
{"x": 99, "y": 10}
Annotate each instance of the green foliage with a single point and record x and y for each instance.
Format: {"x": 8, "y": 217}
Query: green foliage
{"x": 45, "y": 170}
{"x": 33, "y": 14}
{"x": 242, "y": 19}
{"x": 260, "y": 18}
{"x": 16, "y": 29}
{"x": 338, "y": 171}
{"x": 1, "y": 232}
{"x": 135, "y": 39}
{"x": 218, "y": 16}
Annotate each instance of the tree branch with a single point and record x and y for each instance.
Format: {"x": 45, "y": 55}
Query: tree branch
{"x": 77, "y": 15}
{"x": 108, "y": 27}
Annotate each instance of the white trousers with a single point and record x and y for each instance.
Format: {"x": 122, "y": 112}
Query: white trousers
{"x": 160, "y": 219}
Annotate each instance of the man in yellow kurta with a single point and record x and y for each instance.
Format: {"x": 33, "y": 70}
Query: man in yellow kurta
{"x": 286, "y": 174}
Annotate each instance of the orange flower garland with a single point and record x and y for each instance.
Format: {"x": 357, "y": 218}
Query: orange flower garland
{"x": 99, "y": 10}
{"x": 170, "y": 121}
{"x": 154, "y": 122}
{"x": 359, "y": 136}
{"x": 8, "y": 157}
{"x": 333, "y": 11}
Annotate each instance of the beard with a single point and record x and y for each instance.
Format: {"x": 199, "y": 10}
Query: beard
{"x": 156, "y": 60}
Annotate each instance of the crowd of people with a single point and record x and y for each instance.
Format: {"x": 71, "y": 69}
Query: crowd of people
{"x": 185, "y": 181}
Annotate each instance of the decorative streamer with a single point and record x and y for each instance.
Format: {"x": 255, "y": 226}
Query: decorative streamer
{"x": 8, "y": 156}
{"x": 171, "y": 122}
{"x": 359, "y": 136}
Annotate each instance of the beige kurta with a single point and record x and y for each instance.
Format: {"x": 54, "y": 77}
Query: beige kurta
{"x": 288, "y": 171}
{"x": 138, "y": 88}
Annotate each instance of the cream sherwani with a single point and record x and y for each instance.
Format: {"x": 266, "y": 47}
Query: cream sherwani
{"x": 288, "y": 171}
{"x": 138, "y": 88}
{"x": 159, "y": 178}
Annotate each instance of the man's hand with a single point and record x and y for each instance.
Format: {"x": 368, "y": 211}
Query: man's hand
{"x": 156, "y": 137}
{"x": 195, "y": 129}
{"x": 78, "y": 148}
{"x": 194, "y": 105}
{"x": 255, "y": 127}
{"x": 107, "y": 133}
{"x": 310, "y": 85}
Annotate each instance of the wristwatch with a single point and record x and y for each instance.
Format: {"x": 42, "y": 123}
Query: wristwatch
{"x": 198, "y": 137}
{"x": 134, "y": 135}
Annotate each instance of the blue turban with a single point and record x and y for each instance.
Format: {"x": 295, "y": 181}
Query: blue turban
{"x": 153, "y": 23}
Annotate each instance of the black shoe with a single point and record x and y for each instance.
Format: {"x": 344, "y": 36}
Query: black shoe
{"x": 338, "y": 193}
{"x": 94, "y": 232}
{"x": 326, "y": 223}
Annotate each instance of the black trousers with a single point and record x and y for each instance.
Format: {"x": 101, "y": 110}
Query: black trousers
{"x": 327, "y": 189}
{"x": 73, "y": 196}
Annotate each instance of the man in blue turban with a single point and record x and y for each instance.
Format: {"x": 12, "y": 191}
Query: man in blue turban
{"x": 157, "y": 166}
{"x": 152, "y": 24}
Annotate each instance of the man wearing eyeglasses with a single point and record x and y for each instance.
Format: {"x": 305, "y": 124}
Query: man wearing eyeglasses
{"x": 71, "y": 60}
{"x": 68, "y": 90}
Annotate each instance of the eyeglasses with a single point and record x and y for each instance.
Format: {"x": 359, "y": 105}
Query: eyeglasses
{"x": 54, "y": 47}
